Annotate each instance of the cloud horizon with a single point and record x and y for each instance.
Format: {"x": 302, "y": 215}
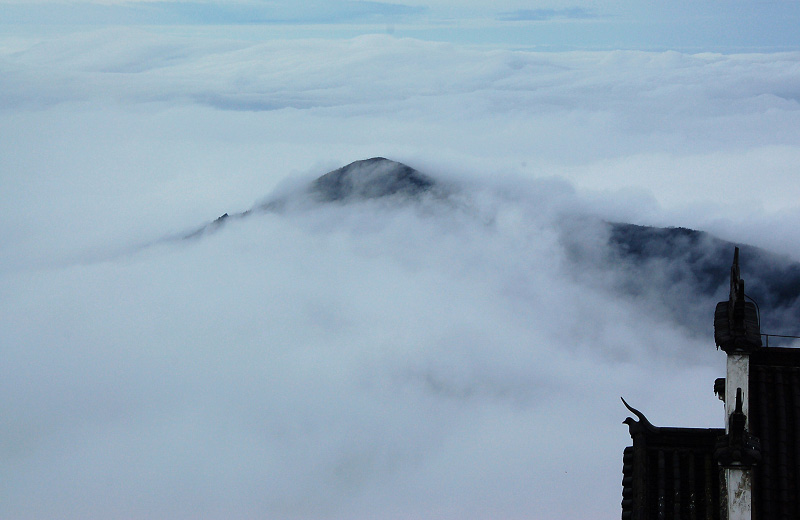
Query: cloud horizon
{"x": 370, "y": 359}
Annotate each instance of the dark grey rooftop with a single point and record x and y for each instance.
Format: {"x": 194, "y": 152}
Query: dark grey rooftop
{"x": 775, "y": 420}
{"x": 674, "y": 472}
{"x": 670, "y": 472}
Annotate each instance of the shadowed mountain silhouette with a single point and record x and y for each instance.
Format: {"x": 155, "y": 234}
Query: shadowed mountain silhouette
{"x": 370, "y": 179}
{"x": 684, "y": 269}
{"x": 373, "y": 178}
{"x": 693, "y": 264}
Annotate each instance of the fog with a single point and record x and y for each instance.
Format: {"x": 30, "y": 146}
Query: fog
{"x": 382, "y": 358}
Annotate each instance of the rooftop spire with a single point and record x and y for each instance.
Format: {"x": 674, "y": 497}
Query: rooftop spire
{"x": 736, "y": 327}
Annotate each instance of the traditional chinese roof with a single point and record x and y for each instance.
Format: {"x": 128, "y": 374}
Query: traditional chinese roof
{"x": 775, "y": 420}
{"x": 674, "y": 472}
{"x": 670, "y": 472}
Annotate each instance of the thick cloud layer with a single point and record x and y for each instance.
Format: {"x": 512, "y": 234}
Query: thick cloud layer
{"x": 375, "y": 358}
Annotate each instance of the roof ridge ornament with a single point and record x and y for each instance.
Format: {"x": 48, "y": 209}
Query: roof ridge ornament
{"x": 635, "y": 426}
{"x": 736, "y": 327}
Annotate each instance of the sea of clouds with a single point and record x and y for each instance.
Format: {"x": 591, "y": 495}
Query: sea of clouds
{"x": 377, "y": 359}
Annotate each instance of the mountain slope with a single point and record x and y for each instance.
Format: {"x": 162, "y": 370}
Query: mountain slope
{"x": 685, "y": 270}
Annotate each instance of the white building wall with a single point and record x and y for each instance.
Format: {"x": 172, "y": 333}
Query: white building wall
{"x": 738, "y": 481}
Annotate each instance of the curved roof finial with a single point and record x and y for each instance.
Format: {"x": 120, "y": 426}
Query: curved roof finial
{"x": 641, "y": 424}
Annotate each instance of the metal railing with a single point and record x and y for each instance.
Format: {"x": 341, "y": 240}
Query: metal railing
{"x": 777, "y": 336}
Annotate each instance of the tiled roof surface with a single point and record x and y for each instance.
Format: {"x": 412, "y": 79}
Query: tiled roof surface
{"x": 674, "y": 472}
{"x": 670, "y": 473}
{"x": 775, "y": 419}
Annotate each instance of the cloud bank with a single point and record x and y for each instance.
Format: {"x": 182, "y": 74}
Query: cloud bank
{"x": 574, "y": 13}
{"x": 371, "y": 359}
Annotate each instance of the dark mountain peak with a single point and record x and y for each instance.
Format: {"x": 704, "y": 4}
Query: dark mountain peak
{"x": 370, "y": 179}
{"x": 689, "y": 267}
{"x": 365, "y": 179}
{"x": 685, "y": 269}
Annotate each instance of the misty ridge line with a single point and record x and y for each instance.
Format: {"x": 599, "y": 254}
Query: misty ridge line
{"x": 366, "y": 179}
{"x": 681, "y": 268}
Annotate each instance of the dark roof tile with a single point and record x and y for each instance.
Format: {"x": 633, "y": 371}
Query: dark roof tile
{"x": 775, "y": 420}
{"x": 670, "y": 473}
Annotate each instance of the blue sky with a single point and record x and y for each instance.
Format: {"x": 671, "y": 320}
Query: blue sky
{"x": 686, "y": 26}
